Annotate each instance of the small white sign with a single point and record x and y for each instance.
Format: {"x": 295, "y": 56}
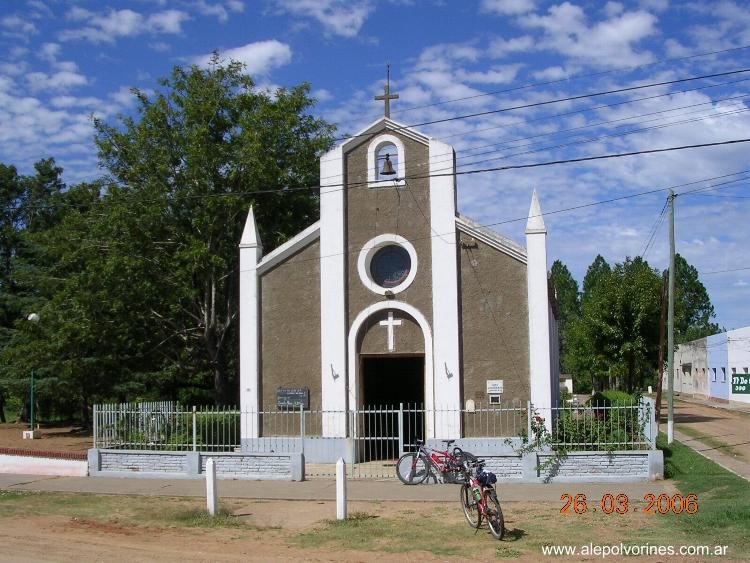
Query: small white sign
{"x": 494, "y": 386}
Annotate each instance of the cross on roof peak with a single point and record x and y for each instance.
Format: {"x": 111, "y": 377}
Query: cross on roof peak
{"x": 387, "y": 96}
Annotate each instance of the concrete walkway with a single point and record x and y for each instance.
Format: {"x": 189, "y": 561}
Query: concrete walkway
{"x": 319, "y": 489}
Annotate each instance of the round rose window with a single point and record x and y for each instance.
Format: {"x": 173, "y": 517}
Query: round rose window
{"x": 390, "y": 266}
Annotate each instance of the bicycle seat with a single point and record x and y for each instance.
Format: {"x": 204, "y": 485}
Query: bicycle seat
{"x": 448, "y": 442}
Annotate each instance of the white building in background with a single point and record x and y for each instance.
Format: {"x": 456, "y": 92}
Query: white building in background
{"x": 716, "y": 367}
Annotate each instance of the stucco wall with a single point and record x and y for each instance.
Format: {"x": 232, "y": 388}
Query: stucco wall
{"x": 290, "y": 327}
{"x": 494, "y": 322}
{"x": 691, "y": 375}
{"x": 403, "y": 211}
{"x": 408, "y": 337}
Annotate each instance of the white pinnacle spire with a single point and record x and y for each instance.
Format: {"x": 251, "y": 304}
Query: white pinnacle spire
{"x": 535, "y": 224}
{"x": 250, "y": 236}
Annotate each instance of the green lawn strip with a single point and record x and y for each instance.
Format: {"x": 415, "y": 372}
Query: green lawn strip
{"x": 122, "y": 509}
{"x": 708, "y": 440}
{"x": 410, "y": 532}
{"x": 723, "y": 516}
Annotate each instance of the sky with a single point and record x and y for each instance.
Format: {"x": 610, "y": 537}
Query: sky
{"x": 63, "y": 61}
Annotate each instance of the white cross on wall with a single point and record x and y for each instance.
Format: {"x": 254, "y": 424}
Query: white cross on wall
{"x": 390, "y": 323}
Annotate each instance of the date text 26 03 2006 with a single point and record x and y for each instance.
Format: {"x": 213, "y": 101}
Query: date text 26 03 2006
{"x": 621, "y": 504}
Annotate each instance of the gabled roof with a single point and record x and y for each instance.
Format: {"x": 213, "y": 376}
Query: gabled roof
{"x": 491, "y": 238}
{"x": 366, "y": 134}
{"x": 289, "y": 248}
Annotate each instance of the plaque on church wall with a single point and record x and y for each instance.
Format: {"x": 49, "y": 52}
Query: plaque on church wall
{"x": 494, "y": 386}
{"x": 292, "y": 398}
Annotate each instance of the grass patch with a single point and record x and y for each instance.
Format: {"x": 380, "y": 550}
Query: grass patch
{"x": 362, "y": 531}
{"x": 130, "y": 510}
{"x": 711, "y": 441}
{"x": 723, "y": 516}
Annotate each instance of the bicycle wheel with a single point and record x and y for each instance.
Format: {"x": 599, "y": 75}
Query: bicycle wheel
{"x": 411, "y": 469}
{"x": 471, "y": 509}
{"x": 494, "y": 514}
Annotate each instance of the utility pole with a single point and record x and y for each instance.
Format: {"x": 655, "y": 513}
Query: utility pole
{"x": 670, "y": 326}
{"x": 662, "y": 322}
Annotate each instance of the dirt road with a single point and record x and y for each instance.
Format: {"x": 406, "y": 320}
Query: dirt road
{"x": 720, "y": 434}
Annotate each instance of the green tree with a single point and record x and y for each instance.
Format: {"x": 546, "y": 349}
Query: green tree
{"x": 568, "y": 307}
{"x": 615, "y": 340}
{"x": 693, "y": 308}
{"x": 184, "y": 174}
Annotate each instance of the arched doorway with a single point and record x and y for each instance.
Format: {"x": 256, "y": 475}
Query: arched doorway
{"x": 390, "y": 379}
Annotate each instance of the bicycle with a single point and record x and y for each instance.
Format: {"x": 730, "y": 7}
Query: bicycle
{"x": 479, "y": 501}
{"x": 415, "y": 467}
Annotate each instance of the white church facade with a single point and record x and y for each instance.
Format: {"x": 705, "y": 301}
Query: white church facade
{"x": 393, "y": 297}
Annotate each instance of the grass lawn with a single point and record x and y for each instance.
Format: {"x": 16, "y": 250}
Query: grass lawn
{"x": 708, "y": 440}
{"x": 723, "y": 516}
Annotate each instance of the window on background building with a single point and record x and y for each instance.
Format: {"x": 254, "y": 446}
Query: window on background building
{"x": 713, "y": 374}
{"x": 723, "y": 374}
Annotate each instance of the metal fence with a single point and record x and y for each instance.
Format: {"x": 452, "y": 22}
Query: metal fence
{"x": 373, "y": 433}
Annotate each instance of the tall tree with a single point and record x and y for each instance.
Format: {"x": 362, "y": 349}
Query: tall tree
{"x": 693, "y": 308}
{"x": 614, "y": 341}
{"x": 568, "y": 307}
{"x": 185, "y": 173}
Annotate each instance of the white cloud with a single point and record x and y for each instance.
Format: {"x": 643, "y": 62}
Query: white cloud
{"x": 322, "y": 95}
{"x": 168, "y": 21}
{"x": 259, "y": 57}
{"x": 159, "y": 46}
{"x": 607, "y": 43}
{"x": 220, "y": 10}
{"x": 338, "y": 17}
{"x": 61, "y": 80}
{"x": 16, "y": 26}
{"x": 106, "y": 27}
{"x": 508, "y": 7}
{"x": 497, "y": 75}
{"x": 49, "y": 51}
{"x": 502, "y": 47}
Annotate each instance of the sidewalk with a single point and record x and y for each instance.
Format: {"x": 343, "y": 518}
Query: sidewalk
{"x": 320, "y": 489}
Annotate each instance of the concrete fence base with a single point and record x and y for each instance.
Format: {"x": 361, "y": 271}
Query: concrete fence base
{"x": 192, "y": 465}
{"x": 578, "y": 467}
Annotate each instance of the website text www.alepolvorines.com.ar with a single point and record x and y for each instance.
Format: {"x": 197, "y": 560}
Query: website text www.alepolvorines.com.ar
{"x": 620, "y": 550}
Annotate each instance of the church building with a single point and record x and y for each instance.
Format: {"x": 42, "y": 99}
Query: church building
{"x": 394, "y": 297}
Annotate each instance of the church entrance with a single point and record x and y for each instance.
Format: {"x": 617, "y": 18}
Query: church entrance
{"x": 386, "y": 382}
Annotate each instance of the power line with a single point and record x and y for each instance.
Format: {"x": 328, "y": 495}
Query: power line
{"x": 559, "y": 100}
{"x": 573, "y": 208}
{"x": 724, "y": 271}
{"x": 449, "y": 158}
{"x": 654, "y": 229}
{"x": 352, "y": 185}
{"x": 569, "y": 78}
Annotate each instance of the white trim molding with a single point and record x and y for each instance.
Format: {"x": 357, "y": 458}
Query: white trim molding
{"x": 333, "y": 292}
{"x": 289, "y": 248}
{"x": 491, "y": 238}
{"x": 429, "y": 377}
{"x": 445, "y": 291}
{"x": 251, "y": 251}
{"x": 369, "y": 250}
{"x": 372, "y": 162}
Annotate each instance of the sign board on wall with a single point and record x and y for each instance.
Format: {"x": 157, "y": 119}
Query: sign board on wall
{"x": 494, "y": 386}
{"x": 741, "y": 383}
{"x": 292, "y": 397}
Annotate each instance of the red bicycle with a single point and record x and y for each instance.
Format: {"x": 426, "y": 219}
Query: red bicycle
{"x": 479, "y": 501}
{"x": 415, "y": 467}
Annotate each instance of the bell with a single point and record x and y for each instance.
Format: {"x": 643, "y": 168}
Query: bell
{"x": 387, "y": 167}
